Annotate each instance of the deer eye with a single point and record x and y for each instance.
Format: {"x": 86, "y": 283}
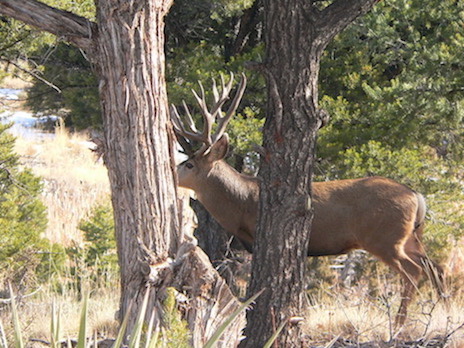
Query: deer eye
{"x": 189, "y": 165}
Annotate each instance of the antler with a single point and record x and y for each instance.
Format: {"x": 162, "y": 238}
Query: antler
{"x": 187, "y": 136}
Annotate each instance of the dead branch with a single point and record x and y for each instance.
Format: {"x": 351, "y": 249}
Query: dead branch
{"x": 73, "y": 28}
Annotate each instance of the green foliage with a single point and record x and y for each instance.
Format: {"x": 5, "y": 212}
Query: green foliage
{"x": 42, "y": 54}
{"x": 245, "y": 131}
{"x": 77, "y": 100}
{"x": 417, "y": 168}
{"x": 22, "y": 215}
{"x": 84, "y": 8}
{"x": 399, "y": 82}
{"x": 19, "y": 41}
{"x": 99, "y": 234}
{"x": 176, "y": 332}
{"x": 94, "y": 263}
{"x": 192, "y": 22}
{"x": 445, "y": 222}
{"x": 13, "y": 36}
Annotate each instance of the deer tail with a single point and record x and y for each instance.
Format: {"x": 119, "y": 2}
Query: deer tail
{"x": 434, "y": 272}
{"x": 421, "y": 210}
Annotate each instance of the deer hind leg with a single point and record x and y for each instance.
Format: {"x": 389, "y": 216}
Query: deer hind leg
{"x": 410, "y": 271}
{"x": 434, "y": 272}
{"x": 413, "y": 265}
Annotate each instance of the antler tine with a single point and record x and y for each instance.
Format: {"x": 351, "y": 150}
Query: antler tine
{"x": 176, "y": 121}
{"x": 224, "y": 121}
{"x": 217, "y": 98}
{"x": 221, "y": 98}
{"x": 180, "y": 132}
{"x": 208, "y": 118}
{"x": 180, "y": 129}
{"x": 215, "y": 91}
{"x": 189, "y": 117}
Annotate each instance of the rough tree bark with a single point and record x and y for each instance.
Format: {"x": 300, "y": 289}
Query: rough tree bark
{"x": 137, "y": 147}
{"x": 296, "y": 33}
{"x": 126, "y": 48}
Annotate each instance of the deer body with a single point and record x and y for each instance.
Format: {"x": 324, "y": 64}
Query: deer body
{"x": 376, "y": 214}
{"x": 367, "y": 213}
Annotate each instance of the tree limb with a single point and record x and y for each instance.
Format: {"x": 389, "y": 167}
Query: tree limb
{"x": 248, "y": 23}
{"x": 72, "y": 28}
{"x": 33, "y": 74}
{"x": 335, "y": 17}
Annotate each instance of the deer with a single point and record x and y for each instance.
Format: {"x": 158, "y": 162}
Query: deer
{"x": 376, "y": 214}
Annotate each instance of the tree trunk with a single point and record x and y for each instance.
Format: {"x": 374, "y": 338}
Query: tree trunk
{"x": 126, "y": 47}
{"x": 138, "y": 150}
{"x": 296, "y": 33}
{"x": 286, "y": 169}
{"x": 212, "y": 238}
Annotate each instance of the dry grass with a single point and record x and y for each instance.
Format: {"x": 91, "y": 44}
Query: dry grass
{"x": 35, "y": 316}
{"x": 352, "y": 318}
{"x": 74, "y": 180}
{"x": 14, "y": 81}
{"x": 73, "y": 177}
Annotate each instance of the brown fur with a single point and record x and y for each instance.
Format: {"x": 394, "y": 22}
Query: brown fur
{"x": 376, "y": 214}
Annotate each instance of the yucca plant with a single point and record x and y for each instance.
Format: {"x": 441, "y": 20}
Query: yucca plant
{"x": 81, "y": 340}
{"x": 55, "y": 327}
{"x": 3, "y": 343}
{"x": 152, "y": 337}
{"x": 18, "y": 338}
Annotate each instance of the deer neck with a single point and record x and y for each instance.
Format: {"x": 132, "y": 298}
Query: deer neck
{"x": 231, "y": 197}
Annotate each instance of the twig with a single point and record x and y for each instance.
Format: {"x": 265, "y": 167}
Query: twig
{"x": 454, "y": 331}
{"x": 8, "y": 300}
{"x": 15, "y": 182}
{"x": 45, "y": 343}
{"x": 48, "y": 83}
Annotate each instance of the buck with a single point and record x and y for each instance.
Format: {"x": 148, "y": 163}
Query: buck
{"x": 376, "y": 214}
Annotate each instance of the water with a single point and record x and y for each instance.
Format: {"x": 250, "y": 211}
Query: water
{"x": 10, "y": 93}
{"x": 25, "y": 124}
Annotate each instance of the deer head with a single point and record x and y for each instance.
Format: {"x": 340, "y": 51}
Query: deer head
{"x": 196, "y": 168}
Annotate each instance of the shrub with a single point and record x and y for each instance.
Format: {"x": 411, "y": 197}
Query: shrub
{"x": 94, "y": 263}
{"x": 99, "y": 234}
{"x": 22, "y": 216}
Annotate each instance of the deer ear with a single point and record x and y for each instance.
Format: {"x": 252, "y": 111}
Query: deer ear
{"x": 219, "y": 149}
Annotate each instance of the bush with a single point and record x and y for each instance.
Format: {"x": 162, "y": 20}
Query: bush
{"x": 99, "y": 234}
{"x": 417, "y": 168}
{"x": 22, "y": 217}
{"x": 95, "y": 262}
